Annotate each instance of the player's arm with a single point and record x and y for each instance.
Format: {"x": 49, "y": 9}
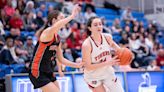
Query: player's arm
{"x": 66, "y": 61}
{"x": 111, "y": 42}
{"x": 61, "y": 74}
{"x": 48, "y": 34}
{"x": 86, "y": 57}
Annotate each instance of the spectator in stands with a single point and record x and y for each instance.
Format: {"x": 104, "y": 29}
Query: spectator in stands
{"x": 74, "y": 41}
{"x": 124, "y": 42}
{"x": 14, "y": 33}
{"x": 21, "y": 53}
{"x": 116, "y": 27}
{"x": 59, "y": 4}
{"x": 64, "y": 33}
{"x": 2, "y": 31}
{"x": 109, "y": 5}
{"x": 16, "y": 21}
{"x": 134, "y": 45}
{"x": 39, "y": 21}
{"x": 29, "y": 24}
{"x": 7, "y": 54}
{"x": 4, "y": 19}
{"x": 9, "y": 10}
{"x": 21, "y": 6}
{"x": 14, "y": 3}
{"x": 42, "y": 9}
{"x": 29, "y": 47}
{"x": 30, "y": 7}
{"x": 2, "y": 41}
{"x": 127, "y": 30}
{"x": 89, "y": 13}
{"x": 3, "y": 4}
{"x": 153, "y": 66}
{"x": 160, "y": 58}
{"x": 89, "y": 4}
{"x": 50, "y": 9}
{"x": 149, "y": 40}
{"x": 127, "y": 16}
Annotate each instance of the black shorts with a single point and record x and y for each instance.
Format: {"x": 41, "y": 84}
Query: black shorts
{"x": 42, "y": 80}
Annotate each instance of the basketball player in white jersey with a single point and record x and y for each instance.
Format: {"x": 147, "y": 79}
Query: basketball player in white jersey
{"x": 96, "y": 53}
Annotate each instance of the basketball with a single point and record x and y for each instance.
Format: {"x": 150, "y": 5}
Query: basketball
{"x": 125, "y": 56}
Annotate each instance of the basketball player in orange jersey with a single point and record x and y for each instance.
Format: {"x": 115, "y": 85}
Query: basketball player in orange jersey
{"x": 48, "y": 46}
{"x": 96, "y": 53}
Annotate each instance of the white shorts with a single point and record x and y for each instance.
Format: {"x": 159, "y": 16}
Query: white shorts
{"x": 112, "y": 83}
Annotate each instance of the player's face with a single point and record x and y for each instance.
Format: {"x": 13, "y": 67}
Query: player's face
{"x": 96, "y": 25}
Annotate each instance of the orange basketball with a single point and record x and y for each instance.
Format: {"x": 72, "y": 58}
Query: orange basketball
{"x": 125, "y": 56}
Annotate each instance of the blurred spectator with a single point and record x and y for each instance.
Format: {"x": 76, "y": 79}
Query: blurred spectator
{"x": 64, "y": 33}
{"x": 9, "y": 10}
{"x": 14, "y": 33}
{"x": 160, "y": 58}
{"x": 67, "y": 52}
{"x": 14, "y": 3}
{"x": 124, "y": 42}
{"x": 2, "y": 32}
{"x": 89, "y": 4}
{"x": 153, "y": 66}
{"x": 42, "y": 9}
{"x": 29, "y": 47}
{"x": 3, "y": 4}
{"x": 29, "y": 22}
{"x": 127, "y": 16}
{"x": 16, "y": 21}
{"x": 134, "y": 45}
{"x": 74, "y": 41}
{"x": 20, "y": 52}
{"x": 39, "y": 22}
{"x": 2, "y": 42}
{"x": 50, "y": 9}
{"x": 59, "y": 4}
{"x": 109, "y": 5}
{"x": 4, "y": 19}
{"x": 8, "y": 55}
{"x": 29, "y": 7}
{"x": 21, "y": 6}
{"x": 89, "y": 13}
{"x": 128, "y": 31}
{"x": 149, "y": 41}
{"x": 116, "y": 27}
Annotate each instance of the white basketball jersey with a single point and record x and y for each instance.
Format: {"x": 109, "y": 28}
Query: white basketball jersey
{"x": 99, "y": 54}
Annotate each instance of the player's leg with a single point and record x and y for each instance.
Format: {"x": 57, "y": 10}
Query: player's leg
{"x": 113, "y": 85}
{"x": 50, "y": 87}
{"x": 95, "y": 85}
{"x": 57, "y": 84}
{"x": 100, "y": 88}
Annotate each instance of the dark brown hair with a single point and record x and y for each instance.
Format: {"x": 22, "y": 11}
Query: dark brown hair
{"x": 51, "y": 15}
{"x": 89, "y": 24}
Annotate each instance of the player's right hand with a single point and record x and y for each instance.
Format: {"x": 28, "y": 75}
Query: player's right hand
{"x": 113, "y": 61}
{"x": 75, "y": 10}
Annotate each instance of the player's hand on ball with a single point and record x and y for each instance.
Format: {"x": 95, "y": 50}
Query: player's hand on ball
{"x": 114, "y": 61}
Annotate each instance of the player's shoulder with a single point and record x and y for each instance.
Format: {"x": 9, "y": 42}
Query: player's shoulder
{"x": 107, "y": 35}
{"x": 86, "y": 43}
